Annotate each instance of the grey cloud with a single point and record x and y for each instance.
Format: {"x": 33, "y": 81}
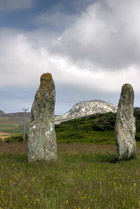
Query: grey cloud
{"x": 60, "y": 15}
{"x": 11, "y": 5}
{"x": 55, "y": 21}
{"x": 106, "y": 37}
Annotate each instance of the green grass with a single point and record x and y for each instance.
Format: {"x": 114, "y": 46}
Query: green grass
{"x": 78, "y": 180}
{"x": 96, "y": 137}
{"x": 15, "y": 138}
{"x": 11, "y": 128}
{"x": 85, "y": 130}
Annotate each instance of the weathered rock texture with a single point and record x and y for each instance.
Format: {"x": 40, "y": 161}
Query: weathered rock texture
{"x": 125, "y": 124}
{"x": 42, "y": 137}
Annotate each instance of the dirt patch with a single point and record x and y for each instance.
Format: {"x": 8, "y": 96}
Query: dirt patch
{"x": 13, "y": 147}
{"x": 4, "y": 135}
{"x": 85, "y": 148}
{"x": 21, "y": 148}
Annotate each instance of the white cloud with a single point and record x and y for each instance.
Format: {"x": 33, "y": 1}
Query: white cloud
{"x": 105, "y": 35}
{"x": 10, "y": 5}
{"x": 99, "y": 51}
{"x": 21, "y": 65}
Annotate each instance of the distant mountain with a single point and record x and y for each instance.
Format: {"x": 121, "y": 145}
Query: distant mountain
{"x": 15, "y": 115}
{"x": 2, "y": 112}
{"x": 14, "y": 118}
{"x": 86, "y": 108}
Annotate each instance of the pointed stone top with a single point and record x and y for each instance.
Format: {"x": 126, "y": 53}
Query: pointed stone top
{"x": 46, "y": 85}
{"x": 127, "y": 86}
{"x": 45, "y": 77}
{"x": 127, "y": 95}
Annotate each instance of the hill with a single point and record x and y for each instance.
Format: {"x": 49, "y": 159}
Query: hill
{"x": 2, "y": 112}
{"x": 12, "y": 123}
{"x": 86, "y": 108}
{"x": 97, "y": 128}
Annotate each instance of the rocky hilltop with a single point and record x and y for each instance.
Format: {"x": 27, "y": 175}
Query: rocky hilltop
{"x": 80, "y": 109}
{"x": 85, "y": 108}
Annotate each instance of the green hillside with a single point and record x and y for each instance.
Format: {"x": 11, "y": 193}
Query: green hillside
{"x": 98, "y": 128}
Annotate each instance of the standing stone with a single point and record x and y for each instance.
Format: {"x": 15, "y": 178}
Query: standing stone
{"x": 42, "y": 137}
{"x": 125, "y": 124}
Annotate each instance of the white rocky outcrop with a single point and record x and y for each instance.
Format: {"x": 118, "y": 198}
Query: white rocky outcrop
{"x": 86, "y": 108}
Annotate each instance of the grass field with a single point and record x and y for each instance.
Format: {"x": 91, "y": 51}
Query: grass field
{"x": 84, "y": 177}
{"x": 11, "y": 128}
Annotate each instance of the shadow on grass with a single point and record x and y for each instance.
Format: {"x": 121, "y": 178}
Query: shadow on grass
{"x": 14, "y": 157}
{"x": 97, "y": 157}
{"x": 70, "y": 158}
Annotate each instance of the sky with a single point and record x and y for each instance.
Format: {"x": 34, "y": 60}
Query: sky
{"x": 91, "y": 48}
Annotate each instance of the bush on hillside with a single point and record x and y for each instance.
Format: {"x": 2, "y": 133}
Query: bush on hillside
{"x": 16, "y": 138}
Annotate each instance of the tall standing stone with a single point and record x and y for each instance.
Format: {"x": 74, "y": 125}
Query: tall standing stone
{"x": 125, "y": 124}
{"x": 42, "y": 137}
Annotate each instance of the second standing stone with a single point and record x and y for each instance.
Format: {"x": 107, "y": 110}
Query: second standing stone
{"x": 125, "y": 124}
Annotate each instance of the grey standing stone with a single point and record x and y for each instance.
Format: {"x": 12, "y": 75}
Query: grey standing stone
{"x": 42, "y": 137}
{"x": 125, "y": 127}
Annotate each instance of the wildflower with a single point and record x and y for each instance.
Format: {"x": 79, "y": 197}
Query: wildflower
{"x": 33, "y": 178}
{"x": 135, "y": 184}
{"x": 38, "y": 200}
{"x": 67, "y": 201}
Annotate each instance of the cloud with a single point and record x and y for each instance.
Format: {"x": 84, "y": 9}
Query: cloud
{"x": 11, "y": 5}
{"x": 55, "y": 21}
{"x": 98, "y": 52}
{"x": 60, "y": 15}
{"x": 106, "y": 35}
{"x": 22, "y": 62}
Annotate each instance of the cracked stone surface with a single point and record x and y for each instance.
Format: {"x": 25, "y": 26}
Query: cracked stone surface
{"x": 125, "y": 127}
{"x": 42, "y": 138}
